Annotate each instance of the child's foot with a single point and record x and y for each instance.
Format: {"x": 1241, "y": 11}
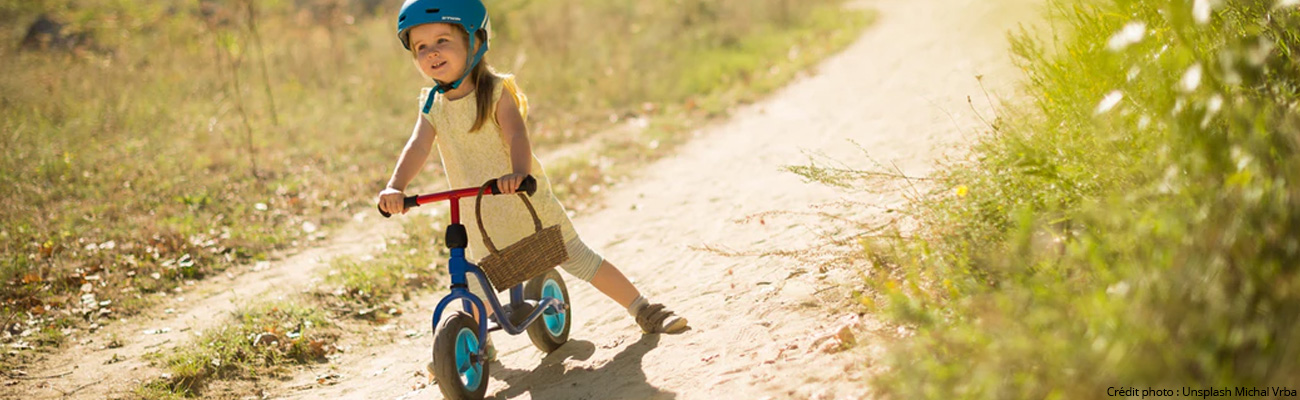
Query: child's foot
{"x": 491, "y": 352}
{"x": 655, "y": 318}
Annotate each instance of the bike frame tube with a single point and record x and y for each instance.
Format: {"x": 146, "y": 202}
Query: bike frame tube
{"x": 459, "y": 267}
{"x": 517, "y": 294}
{"x": 547, "y": 302}
{"x": 453, "y": 196}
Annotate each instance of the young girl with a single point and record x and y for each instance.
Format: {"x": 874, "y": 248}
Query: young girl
{"x": 481, "y": 135}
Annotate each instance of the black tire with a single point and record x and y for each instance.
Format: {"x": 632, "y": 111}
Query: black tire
{"x": 541, "y": 335}
{"x": 444, "y": 359}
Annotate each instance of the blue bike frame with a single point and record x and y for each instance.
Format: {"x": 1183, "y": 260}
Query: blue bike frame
{"x": 459, "y": 268}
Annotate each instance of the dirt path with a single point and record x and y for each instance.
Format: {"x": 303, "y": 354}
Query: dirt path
{"x": 900, "y": 91}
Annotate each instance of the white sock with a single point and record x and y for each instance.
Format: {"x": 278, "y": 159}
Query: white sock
{"x": 637, "y": 304}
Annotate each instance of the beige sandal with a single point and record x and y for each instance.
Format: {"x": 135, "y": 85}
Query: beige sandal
{"x": 655, "y": 318}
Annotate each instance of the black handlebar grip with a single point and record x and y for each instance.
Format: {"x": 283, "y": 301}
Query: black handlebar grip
{"x": 529, "y": 185}
{"x": 407, "y": 202}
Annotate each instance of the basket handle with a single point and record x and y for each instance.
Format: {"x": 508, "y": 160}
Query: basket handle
{"x": 490, "y": 187}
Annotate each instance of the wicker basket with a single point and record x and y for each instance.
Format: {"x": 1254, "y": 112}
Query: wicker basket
{"x": 525, "y": 259}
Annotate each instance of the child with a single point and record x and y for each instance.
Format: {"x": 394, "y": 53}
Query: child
{"x": 481, "y": 135}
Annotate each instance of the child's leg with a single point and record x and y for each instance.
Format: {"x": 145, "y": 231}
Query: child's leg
{"x": 474, "y": 313}
{"x": 591, "y": 267}
{"x": 610, "y": 281}
{"x": 653, "y": 318}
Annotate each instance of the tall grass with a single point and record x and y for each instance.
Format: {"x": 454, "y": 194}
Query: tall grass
{"x": 1133, "y": 224}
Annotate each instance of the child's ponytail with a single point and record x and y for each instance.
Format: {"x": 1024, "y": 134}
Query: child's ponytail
{"x": 484, "y": 85}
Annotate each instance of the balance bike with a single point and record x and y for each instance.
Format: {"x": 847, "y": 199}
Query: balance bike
{"x": 459, "y": 354}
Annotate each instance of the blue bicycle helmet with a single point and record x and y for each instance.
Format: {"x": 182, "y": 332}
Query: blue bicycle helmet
{"x": 469, "y": 14}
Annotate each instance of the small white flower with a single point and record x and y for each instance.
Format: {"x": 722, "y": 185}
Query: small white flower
{"x": 1109, "y": 102}
{"x": 1130, "y": 34}
{"x": 1191, "y": 79}
{"x": 1214, "y": 104}
{"x": 1201, "y": 11}
{"x": 1118, "y": 289}
{"x": 1211, "y": 107}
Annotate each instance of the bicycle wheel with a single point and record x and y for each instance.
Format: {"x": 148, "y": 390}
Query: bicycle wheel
{"x": 461, "y": 372}
{"x": 551, "y": 330}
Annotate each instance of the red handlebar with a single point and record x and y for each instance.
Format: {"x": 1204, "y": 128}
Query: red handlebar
{"x": 529, "y": 185}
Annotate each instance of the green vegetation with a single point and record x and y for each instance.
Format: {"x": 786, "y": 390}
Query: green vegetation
{"x": 170, "y": 142}
{"x": 365, "y": 288}
{"x": 1133, "y": 224}
{"x": 260, "y": 341}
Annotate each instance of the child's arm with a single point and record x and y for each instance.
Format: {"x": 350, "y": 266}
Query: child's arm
{"x": 515, "y": 135}
{"x": 408, "y": 165}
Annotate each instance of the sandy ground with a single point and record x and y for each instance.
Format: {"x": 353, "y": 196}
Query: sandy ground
{"x": 901, "y": 92}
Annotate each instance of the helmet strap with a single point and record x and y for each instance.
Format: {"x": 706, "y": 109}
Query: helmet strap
{"x": 469, "y": 68}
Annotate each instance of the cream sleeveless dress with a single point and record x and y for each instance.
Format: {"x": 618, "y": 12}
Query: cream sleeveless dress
{"x": 472, "y": 158}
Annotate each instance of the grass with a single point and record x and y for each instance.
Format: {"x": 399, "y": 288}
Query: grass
{"x": 1087, "y": 243}
{"x": 134, "y": 185}
{"x": 261, "y": 341}
{"x": 413, "y": 262}
{"x": 184, "y": 139}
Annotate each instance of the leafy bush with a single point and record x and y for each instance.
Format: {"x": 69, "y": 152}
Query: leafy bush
{"x": 1133, "y": 224}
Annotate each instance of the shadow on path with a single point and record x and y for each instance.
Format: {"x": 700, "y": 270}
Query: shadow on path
{"x": 620, "y": 378}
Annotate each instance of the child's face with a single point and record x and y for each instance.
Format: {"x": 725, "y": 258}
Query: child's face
{"x": 440, "y": 51}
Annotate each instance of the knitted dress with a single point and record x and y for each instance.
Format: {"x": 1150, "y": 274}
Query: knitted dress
{"x": 472, "y": 158}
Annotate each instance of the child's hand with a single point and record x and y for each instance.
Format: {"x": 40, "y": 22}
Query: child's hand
{"x": 390, "y": 200}
{"x": 509, "y": 183}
